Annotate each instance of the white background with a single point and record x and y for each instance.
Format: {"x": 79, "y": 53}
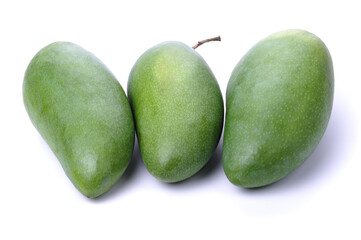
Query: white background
{"x": 320, "y": 200}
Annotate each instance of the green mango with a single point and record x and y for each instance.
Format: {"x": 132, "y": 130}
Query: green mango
{"x": 82, "y": 112}
{"x": 278, "y": 103}
{"x": 178, "y": 109}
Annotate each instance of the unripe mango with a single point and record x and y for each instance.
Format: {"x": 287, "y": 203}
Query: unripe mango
{"x": 279, "y": 101}
{"x": 178, "y": 110}
{"x": 82, "y": 112}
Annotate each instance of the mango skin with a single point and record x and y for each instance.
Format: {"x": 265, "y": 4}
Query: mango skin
{"x": 82, "y": 112}
{"x": 178, "y": 109}
{"x": 278, "y": 103}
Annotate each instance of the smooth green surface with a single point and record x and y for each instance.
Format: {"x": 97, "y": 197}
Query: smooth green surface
{"x": 279, "y": 100}
{"x": 178, "y": 110}
{"x": 82, "y": 112}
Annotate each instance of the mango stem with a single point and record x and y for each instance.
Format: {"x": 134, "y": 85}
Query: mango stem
{"x": 207, "y": 40}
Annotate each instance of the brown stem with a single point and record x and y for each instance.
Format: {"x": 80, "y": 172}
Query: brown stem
{"x": 207, "y": 40}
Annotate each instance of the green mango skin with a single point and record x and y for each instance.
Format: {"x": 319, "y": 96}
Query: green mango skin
{"x": 178, "y": 109}
{"x": 82, "y": 112}
{"x": 278, "y": 103}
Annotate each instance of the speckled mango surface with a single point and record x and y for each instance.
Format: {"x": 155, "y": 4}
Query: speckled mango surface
{"x": 278, "y": 103}
{"x": 82, "y": 112}
{"x": 178, "y": 110}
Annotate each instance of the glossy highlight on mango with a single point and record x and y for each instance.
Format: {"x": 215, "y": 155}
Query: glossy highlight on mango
{"x": 279, "y": 101}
